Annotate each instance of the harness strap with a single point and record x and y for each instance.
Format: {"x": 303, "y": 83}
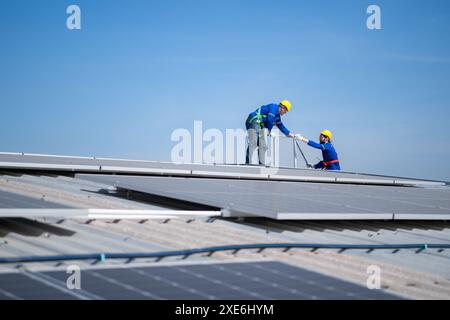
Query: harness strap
{"x": 259, "y": 118}
{"x": 327, "y": 163}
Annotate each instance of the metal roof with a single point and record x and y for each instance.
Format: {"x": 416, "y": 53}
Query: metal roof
{"x": 13, "y": 200}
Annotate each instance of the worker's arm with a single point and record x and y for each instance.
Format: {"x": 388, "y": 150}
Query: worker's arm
{"x": 316, "y": 145}
{"x": 298, "y": 136}
{"x": 283, "y": 129}
{"x": 270, "y": 121}
{"x": 318, "y": 165}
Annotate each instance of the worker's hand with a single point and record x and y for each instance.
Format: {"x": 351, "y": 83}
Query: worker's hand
{"x": 299, "y": 137}
{"x": 293, "y": 136}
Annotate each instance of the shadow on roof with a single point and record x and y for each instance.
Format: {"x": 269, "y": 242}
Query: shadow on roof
{"x": 31, "y": 228}
{"x": 341, "y": 226}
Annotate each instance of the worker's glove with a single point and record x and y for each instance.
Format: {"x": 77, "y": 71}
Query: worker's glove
{"x": 299, "y": 137}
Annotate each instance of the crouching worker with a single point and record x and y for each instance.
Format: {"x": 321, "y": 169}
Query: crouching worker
{"x": 265, "y": 117}
{"x": 330, "y": 157}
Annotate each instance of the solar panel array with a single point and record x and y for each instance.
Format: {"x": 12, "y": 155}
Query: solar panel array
{"x": 105, "y": 165}
{"x": 251, "y": 280}
{"x": 247, "y": 190}
{"x": 291, "y": 200}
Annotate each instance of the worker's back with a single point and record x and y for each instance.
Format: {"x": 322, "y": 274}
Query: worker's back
{"x": 265, "y": 110}
{"x": 330, "y": 156}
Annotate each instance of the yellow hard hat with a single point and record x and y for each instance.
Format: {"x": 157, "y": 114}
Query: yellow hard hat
{"x": 286, "y": 104}
{"x": 327, "y": 133}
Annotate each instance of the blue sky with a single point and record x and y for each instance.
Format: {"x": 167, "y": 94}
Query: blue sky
{"x": 137, "y": 70}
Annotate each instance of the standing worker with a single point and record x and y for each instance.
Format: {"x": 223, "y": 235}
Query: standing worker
{"x": 330, "y": 157}
{"x": 265, "y": 117}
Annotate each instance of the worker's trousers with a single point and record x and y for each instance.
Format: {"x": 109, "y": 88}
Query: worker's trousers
{"x": 256, "y": 139}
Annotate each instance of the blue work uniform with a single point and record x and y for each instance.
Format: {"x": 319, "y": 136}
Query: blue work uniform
{"x": 264, "y": 117}
{"x": 268, "y": 116}
{"x": 330, "y": 157}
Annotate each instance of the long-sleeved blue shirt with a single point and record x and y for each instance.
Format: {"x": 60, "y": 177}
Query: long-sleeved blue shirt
{"x": 328, "y": 153}
{"x": 271, "y": 117}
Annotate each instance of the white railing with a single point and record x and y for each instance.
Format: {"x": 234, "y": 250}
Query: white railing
{"x": 297, "y": 152}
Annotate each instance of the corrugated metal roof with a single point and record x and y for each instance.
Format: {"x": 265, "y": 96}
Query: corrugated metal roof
{"x": 13, "y": 200}
{"x": 373, "y": 232}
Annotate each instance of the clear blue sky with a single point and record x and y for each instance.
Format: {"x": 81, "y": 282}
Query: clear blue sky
{"x": 137, "y": 70}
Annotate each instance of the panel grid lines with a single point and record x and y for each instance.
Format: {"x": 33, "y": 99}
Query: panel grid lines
{"x": 236, "y": 281}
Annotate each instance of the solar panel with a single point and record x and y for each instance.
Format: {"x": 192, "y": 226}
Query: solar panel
{"x": 250, "y": 280}
{"x": 293, "y": 200}
{"x": 91, "y": 164}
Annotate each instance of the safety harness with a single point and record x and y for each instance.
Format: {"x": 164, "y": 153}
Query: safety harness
{"x": 327, "y": 163}
{"x": 259, "y": 118}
